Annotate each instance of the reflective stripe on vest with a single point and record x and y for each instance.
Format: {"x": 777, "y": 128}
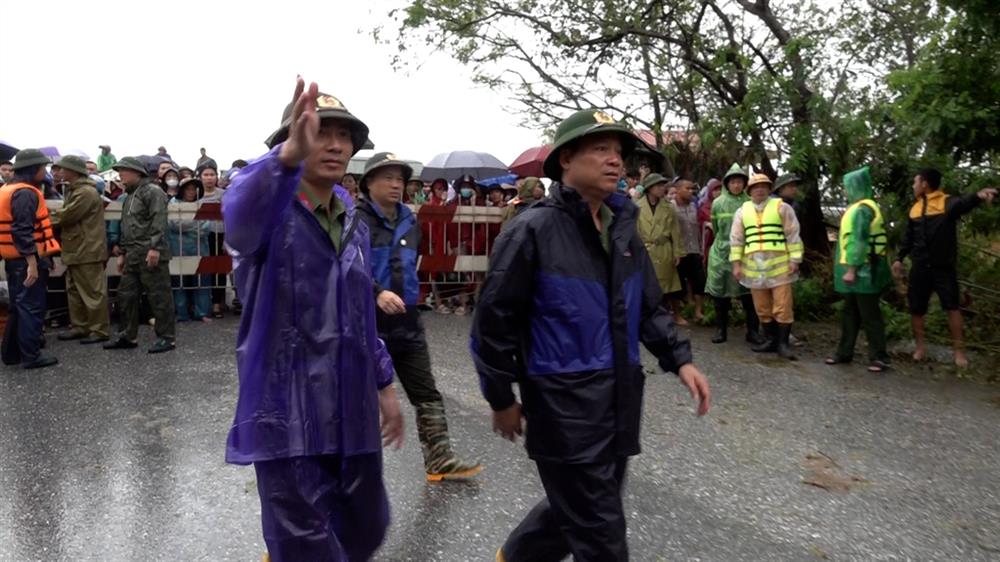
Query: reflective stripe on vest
{"x": 764, "y": 231}
{"x": 877, "y": 238}
{"x": 45, "y": 239}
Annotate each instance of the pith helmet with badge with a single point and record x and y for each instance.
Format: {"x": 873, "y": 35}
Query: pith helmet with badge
{"x": 384, "y": 160}
{"x": 585, "y": 123}
{"x": 327, "y": 108}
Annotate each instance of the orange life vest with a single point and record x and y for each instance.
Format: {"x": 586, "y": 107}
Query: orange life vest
{"x": 45, "y": 239}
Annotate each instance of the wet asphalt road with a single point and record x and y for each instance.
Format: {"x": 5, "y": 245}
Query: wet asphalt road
{"x": 120, "y": 457}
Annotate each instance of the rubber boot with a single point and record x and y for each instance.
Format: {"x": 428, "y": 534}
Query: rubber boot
{"x": 753, "y": 321}
{"x": 721, "y": 320}
{"x": 770, "y": 343}
{"x": 440, "y": 462}
{"x": 784, "y": 347}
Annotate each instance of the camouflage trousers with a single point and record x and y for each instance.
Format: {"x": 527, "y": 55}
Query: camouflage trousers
{"x": 413, "y": 368}
{"x": 137, "y": 279}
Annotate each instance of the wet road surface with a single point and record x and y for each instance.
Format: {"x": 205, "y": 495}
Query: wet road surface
{"x": 119, "y": 456}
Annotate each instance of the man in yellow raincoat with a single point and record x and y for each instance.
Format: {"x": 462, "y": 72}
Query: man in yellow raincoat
{"x": 661, "y": 234}
{"x": 766, "y": 251}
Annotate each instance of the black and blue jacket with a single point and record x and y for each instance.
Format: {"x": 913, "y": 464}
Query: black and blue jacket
{"x": 563, "y": 318}
{"x": 394, "y": 255}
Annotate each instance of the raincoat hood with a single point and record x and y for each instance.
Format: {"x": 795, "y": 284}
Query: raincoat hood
{"x": 858, "y": 185}
{"x": 735, "y": 170}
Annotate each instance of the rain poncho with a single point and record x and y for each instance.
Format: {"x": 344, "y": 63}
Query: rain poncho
{"x": 873, "y": 274}
{"x": 309, "y": 360}
{"x": 721, "y": 282}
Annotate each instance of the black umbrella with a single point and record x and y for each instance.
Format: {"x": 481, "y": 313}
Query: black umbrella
{"x": 7, "y": 151}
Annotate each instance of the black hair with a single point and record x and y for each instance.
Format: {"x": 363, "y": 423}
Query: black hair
{"x": 931, "y": 176}
{"x": 240, "y": 163}
{"x": 6, "y": 163}
{"x": 201, "y": 169}
{"x": 27, "y": 174}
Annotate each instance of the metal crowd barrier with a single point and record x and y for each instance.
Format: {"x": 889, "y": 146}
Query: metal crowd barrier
{"x": 457, "y": 242}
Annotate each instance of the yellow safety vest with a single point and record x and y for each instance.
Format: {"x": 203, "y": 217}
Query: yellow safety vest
{"x": 877, "y": 239}
{"x": 765, "y": 232}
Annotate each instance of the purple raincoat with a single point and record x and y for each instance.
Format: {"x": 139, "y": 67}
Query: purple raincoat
{"x": 310, "y": 362}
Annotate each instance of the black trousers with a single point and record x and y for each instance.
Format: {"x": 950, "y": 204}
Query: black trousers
{"x": 581, "y": 514}
{"x": 217, "y": 247}
{"x": 22, "y": 338}
{"x": 413, "y": 368}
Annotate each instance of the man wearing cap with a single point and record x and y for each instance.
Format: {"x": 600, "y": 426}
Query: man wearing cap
{"x": 720, "y": 282}
{"x": 569, "y": 295}
{"x": 26, "y": 244}
{"x": 84, "y": 253}
{"x": 105, "y": 160}
{"x": 314, "y": 374}
{"x": 532, "y": 190}
{"x": 144, "y": 258}
{"x": 766, "y": 250}
{"x": 395, "y": 242}
{"x": 786, "y": 187}
{"x": 660, "y": 232}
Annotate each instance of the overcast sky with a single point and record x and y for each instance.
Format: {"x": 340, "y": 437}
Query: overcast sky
{"x": 185, "y": 74}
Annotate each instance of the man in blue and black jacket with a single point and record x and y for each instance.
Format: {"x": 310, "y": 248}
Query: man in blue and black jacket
{"x": 395, "y": 242}
{"x": 569, "y": 295}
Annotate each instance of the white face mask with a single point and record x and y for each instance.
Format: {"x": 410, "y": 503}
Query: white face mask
{"x": 172, "y": 183}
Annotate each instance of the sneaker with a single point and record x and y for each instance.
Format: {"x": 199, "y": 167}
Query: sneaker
{"x": 121, "y": 343}
{"x": 72, "y": 335}
{"x": 94, "y": 338}
{"x": 162, "y": 345}
{"x": 41, "y": 362}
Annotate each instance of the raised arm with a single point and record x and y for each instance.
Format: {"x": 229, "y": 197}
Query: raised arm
{"x": 259, "y": 195}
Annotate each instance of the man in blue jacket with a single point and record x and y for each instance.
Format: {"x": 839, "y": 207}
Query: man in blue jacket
{"x": 313, "y": 373}
{"x": 395, "y": 242}
{"x": 569, "y": 295}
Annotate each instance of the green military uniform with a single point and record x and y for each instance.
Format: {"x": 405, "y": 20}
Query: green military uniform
{"x": 862, "y": 245}
{"x": 330, "y": 214}
{"x": 720, "y": 283}
{"x": 84, "y": 252}
{"x": 144, "y": 228}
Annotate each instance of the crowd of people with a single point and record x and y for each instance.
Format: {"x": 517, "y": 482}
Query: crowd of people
{"x": 327, "y": 263}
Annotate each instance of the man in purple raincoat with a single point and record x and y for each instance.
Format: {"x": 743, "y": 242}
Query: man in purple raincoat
{"x": 313, "y": 374}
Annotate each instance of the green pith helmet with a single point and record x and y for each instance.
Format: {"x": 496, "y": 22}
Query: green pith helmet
{"x": 30, "y": 157}
{"x": 383, "y": 160}
{"x": 581, "y": 124}
{"x": 73, "y": 164}
{"x": 130, "y": 163}
{"x": 327, "y": 107}
{"x": 858, "y": 185}
{"x": 784, "y": 180}
{"x": 735, "y": 170}
{"x": 528, "y": 187}
{"x": 651, "y": 180}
